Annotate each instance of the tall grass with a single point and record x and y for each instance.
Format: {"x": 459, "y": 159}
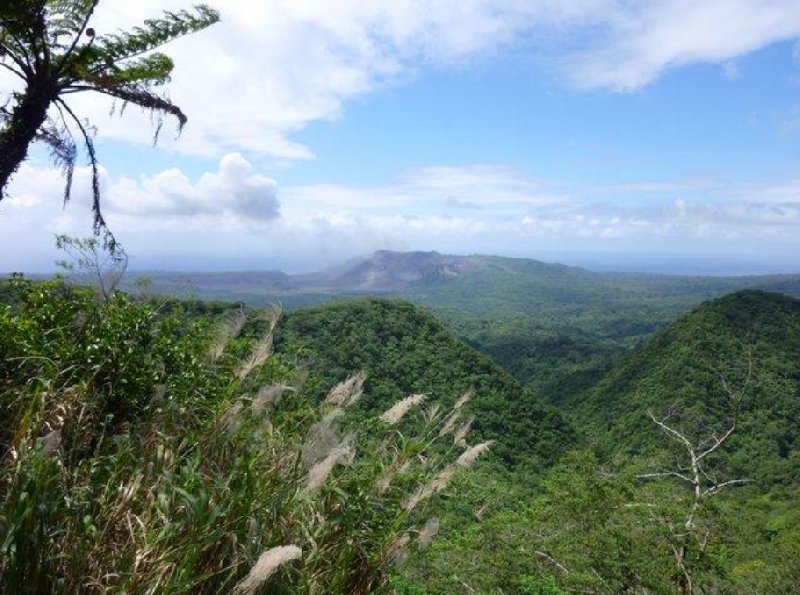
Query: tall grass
{"x": 145, "y": 452}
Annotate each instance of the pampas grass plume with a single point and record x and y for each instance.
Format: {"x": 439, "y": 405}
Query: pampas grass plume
{"x": 269, "y": 396}
{"x": 436, "y": 485}
{"x": 348, "y": 391}
{"x": 229, "y": 329}
{"x": 341, "y": 454}
{"x": 461, "y": 433}
{"x": 397, "y": 552}
{"x": 464, "y": 399}
{"x": 268, "y": 563}
{"x": 263, "y": 347}
{"x": 469, "y": 456}
{"x": 428, "y": 533}
{"x": 449, "y": 423}
{"x": 455, "y": 414}
{"x": 399, "y": 409}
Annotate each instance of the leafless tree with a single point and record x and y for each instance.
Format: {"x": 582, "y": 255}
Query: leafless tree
{"x": 694, "y": 472}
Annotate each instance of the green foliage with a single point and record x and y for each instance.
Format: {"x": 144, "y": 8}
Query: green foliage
{"x": 153, "y": 451}
{"x": 534, "y": 585}
{"x": 405, "y": 350}
{"x": 141, "y": 458}
{"x": 590, "y": 524}
{"x": 585, "y": 528}
{"x": 556, "y": 329}
{"x": 748, "y": 342}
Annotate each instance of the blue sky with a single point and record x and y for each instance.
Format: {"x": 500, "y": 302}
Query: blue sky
{"x": 659, "y": 136}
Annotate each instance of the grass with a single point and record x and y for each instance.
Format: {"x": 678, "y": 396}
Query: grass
{"x": 146, "y": 451}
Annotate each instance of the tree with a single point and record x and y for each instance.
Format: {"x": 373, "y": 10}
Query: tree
{"x": 49, "y": 45}
{"x": 89, "y": 265}
{"x": 689, "y": 539}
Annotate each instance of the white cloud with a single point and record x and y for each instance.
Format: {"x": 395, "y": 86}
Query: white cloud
{"x": 644, "y": 39}
{"x": 232, "y": 192}
{"x": 271, "y": 67}
{"x": 229, "y": 219}
{"x": 475, "y": 186}
{"x": 212, "y": 209}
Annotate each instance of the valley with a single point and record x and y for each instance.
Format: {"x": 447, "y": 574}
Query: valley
{"x": 571, "y": 369}
{"x": 555, "y": 328}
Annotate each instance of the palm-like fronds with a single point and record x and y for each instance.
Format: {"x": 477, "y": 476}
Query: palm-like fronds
{"x": 50, "y": 46}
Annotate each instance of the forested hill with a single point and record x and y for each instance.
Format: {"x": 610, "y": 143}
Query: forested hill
{"x": 406, "y": 350}
{"x": 555, "y": 328}
{"x": 744, "y": 346}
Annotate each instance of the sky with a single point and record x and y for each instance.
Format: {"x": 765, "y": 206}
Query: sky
{"x": 658, "y": 135}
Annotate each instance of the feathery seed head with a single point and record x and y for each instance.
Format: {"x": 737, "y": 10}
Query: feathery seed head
{"x": 464, "y": 399}
{"x": 262, "y": 350}
{"x": 461, "y": 433}
{"x": 229, "y": 329}
{"x": 268, "y": 563}
{"x": 322, "y": 437}
{"x": 436, "y": 485}
{"x": 469, "y": 456}
{"x": 397, "y": 551}
{"x": 342, "y": 454}
{"x": 348, "y": 391}
{"x": 51, "y": 443}
{"x": 428, "y": 533}
{"x": 231, "y": 418}
{"x": 269, "y": 396}
{"x": 449, "y": 423}
{"x": 399, "y": 409}
{"x": 431, "y": 413}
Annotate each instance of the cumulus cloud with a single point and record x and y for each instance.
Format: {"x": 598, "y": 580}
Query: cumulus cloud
{"x": 139, "y": 212}
{"x": 228, "y": 218}
{"x": 232, "y": 192}
{"x": 271, "y": 67}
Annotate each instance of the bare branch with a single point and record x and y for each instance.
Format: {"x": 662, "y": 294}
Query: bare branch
{"x": 665, "y": 474}
{"x": 670, "y": 431}
{"x": 717, "y": 442}
{"x": 725, "y": 484}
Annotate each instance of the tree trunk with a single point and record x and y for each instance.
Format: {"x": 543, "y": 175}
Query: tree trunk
{"x": 27, "y": 117}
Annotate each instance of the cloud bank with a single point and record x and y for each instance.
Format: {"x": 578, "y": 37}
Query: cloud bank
{"x": 231, "y": 218}
{"x": 271, "y": 67}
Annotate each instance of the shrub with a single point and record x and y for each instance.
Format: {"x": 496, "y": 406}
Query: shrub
{"x": 158, "y": 452}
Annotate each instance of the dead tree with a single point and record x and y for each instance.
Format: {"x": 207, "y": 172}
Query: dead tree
{"x": 694, "y": 473}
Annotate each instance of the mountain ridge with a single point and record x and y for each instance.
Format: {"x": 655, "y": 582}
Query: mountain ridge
{"x": 734, "y": 356}
{"x": 387, "y": 271}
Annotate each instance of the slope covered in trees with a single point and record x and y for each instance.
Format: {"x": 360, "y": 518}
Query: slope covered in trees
{"x": 174, "y": 401}
{"x": 555, "y": 328}
{"x": 619, "y": 514}
{"x": 742, "y": 347}
{"x": 405, "y": 350}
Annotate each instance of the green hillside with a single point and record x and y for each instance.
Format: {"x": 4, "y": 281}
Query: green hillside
{"x": 153, "y": 447}
{"x": 612, "y": 518}
{"x": 565, "y": 502}
{"x": 555, "y": 328}
{"x": 405, "y": 350}
{"x": 747, "y": 344}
